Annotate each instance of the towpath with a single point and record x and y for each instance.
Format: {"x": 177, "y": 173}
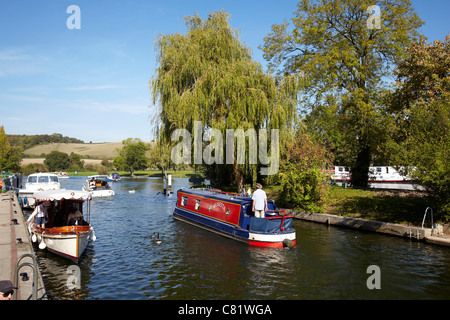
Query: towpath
{"x": 14, "y": 244}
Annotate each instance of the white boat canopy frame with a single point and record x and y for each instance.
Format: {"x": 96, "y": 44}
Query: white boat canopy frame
{"x": 58, "y": 195}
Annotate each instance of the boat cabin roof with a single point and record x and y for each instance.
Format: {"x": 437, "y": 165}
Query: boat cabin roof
{"x": 52, "y": 195}
{"x": 218, "y": 195}
{"x": 98, "y": 176}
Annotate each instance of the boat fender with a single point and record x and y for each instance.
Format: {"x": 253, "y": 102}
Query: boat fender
{"x": 33, "y": 238}
{"x": 25, "y": 201}
{"x": 93, "y": 237}
{"x": 42, "y": 245}
{"x": 288, "y": 243}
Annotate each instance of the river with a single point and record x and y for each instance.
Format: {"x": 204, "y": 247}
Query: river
{"x": 328, "y": 262}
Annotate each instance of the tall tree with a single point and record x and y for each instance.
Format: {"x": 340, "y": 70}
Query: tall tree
{"x": 344, "y": 49}
{"x": 421, "y": 139}
{"x": 208, "y": 75}
{"x": 132, "y": 156}
{"x": 10, "y": 157}
{"x": 56, "y": 161}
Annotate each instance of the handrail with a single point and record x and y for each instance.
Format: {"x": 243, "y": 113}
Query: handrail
{"x": 34, "y": 266}
{"x": 424, "y": 216}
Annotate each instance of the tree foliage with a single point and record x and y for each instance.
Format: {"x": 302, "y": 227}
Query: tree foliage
{"x": 343, "y": 61}
{"x": 421, "y": 139}
{"x": 132, "y": 156}
{"x": 29, "y": 141}
{"x": 208, "y": 75}
{"x": 10, "y": 157}
{"x": 302, "y": 175}
{"x": 56, "y": 161}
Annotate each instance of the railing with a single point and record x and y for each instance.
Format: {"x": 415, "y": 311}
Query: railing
{"x": 33, "y": 266}
{"x": 425, "y": 215}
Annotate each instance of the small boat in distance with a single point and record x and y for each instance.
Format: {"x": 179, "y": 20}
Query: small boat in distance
{"x": 98, "y": 186}
{"x": 113, "y": 177}
{"x": 37, "y": 182}
{"x": 67, "y": 230}
{"x": 63, "y": 175}
{"x": 230, "y": 215}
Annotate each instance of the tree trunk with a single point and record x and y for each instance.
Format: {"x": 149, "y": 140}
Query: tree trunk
{"x": 360, "y": 171}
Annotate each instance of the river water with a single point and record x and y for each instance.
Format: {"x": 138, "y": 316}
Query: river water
{"x": 190, "y": 263}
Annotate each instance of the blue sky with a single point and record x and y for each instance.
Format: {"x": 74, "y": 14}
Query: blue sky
{"x": 92, "y": 83}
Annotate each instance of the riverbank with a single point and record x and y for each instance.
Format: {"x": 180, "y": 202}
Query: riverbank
{"x": 432, "y": 235}
{"x": 392, "y": 212}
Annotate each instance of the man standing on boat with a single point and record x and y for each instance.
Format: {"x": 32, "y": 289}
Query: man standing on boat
{"x": 259, "y": 201}
{"x": 41, "y": 213}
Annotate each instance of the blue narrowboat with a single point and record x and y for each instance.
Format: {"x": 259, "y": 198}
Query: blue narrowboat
{"x": 230, "y": 215}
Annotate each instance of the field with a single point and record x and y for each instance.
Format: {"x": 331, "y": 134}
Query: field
{"x": 86, "y": 150}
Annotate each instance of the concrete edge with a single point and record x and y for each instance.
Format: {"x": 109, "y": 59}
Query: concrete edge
{"x": 26, "y": 247}
{"x": 412, "y": 232}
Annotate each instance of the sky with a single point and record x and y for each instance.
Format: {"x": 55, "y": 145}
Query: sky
{"x": 92, "y": 82}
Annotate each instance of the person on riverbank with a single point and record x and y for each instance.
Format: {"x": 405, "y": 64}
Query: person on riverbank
{"x": 259, "y": 201}
{"x": 6, "y": 290}
{"x": 41, "y": 213}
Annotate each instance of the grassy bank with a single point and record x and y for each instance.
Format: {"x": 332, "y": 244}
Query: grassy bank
{"x": 395, "y": 206}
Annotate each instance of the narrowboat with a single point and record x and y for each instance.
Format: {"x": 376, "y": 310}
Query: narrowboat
{"x": 230, "y": 215}
{"x": 67, "y": 230}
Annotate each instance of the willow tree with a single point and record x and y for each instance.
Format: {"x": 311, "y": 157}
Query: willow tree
{"x": 345, "y": 49}
{"x": 207, "y": 75}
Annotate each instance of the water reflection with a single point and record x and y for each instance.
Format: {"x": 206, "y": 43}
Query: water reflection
{"x": 191, "y": 263}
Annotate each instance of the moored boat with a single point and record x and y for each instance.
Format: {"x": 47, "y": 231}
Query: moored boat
{"x": 114, "y": 177}
{"x": 231, "y": 215}
{"x": 98, "y": 186}
{"x": 380, "y": 174}
{"x": 67, "y": 230}
{"x": 37, "y": 182}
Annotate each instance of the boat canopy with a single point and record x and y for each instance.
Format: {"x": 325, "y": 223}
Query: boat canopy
{"x": 98, "y": 176}
{"x": 52, "y": 195}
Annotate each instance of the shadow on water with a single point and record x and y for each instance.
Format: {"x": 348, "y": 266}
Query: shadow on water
{"x": 328, "y": 262}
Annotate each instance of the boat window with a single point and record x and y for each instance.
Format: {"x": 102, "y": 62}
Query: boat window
{"x": 197, "y": 204}
{"x": 43, "y": 179}
{"x": 32, "y": 179}
{"x": 184, "y": 201}
{"x": 341, "y": 169}
{"x": 387, "y": 169}
{"x": 378, "y": 169}
{"x": 53, "y": 179}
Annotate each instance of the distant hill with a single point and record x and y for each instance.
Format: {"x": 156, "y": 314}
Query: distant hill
{"x": 86, "y": 150}
{"x": 29, "y": 141}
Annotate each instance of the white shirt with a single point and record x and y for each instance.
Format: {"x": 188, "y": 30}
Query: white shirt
{"x": 259, "y": 196}
{"x": 39, "y": 212}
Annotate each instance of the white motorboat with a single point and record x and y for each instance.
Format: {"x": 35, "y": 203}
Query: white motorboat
{"x": 37, "y": 182}
{"x": 67, "y": 230}
{"x": 63, "y": 175}
{"x": 98, "y": 186}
